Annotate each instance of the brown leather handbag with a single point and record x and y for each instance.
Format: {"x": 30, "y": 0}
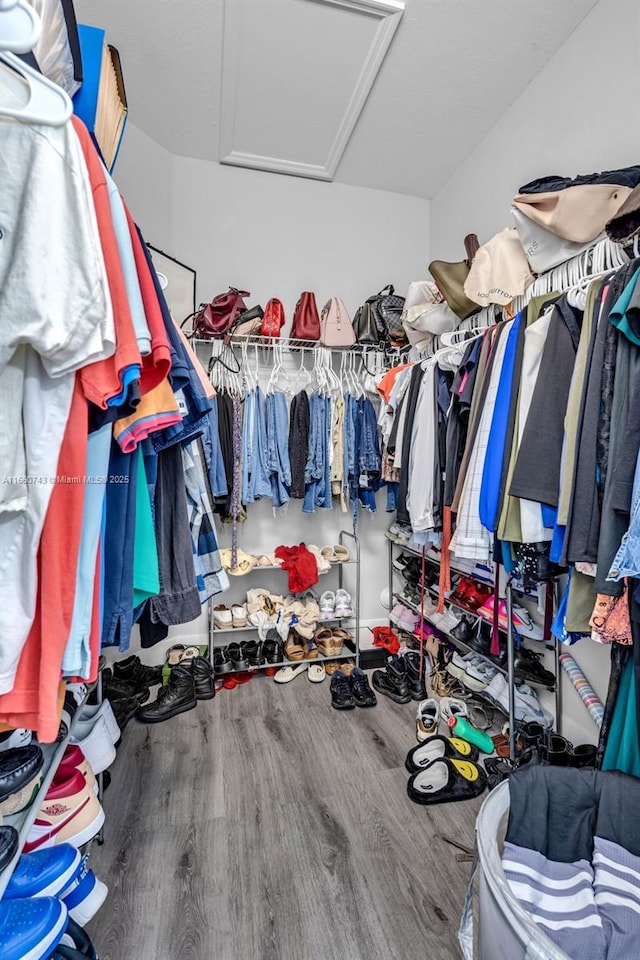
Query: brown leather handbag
{"x": 450, "y": 278}
{"x": 273, "y": 320}
{"x": 216, "y": 318}
{"x": 306, "y": 320}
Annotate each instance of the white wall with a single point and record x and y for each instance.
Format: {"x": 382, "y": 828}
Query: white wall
{"x": 143, "y": 174}
{"x": 578, "y": 115}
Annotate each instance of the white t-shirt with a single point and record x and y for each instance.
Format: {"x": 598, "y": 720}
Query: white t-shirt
{"x": 55, "y": 317}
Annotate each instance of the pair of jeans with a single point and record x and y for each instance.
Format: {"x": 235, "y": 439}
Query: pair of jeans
{"x": 255, "y": 474}
{"x": 213, "y": 454}
{"x": 318, "y": 468}
{"x": 277, "y": 459}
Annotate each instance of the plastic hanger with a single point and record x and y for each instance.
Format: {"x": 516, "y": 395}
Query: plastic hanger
{"x": 47, "y": 104}
{"x": 20, "y": 26}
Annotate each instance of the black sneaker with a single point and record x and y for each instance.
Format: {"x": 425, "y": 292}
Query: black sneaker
{"x": 362, "y": 693}
{"x": 341, "y": 695}
{"x": 124, "y": 710}
{"x": 415, "y": 678}
{"x": 133, "y": 671}
{"x": 397, "y": 692}
{"x": 527, "y": 666}
{"x": 178, "y": 696}
{"x": 221, "y": 662}
{"x": 400, "y": 562}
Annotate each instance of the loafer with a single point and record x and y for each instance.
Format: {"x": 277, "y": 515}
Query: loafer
{"x": 437, "y": 747}
{"x": 447, "y": 781}
{"x": 8, "y": 845}
{"x": 362, "y": 693}
{"x": 20, "y": 778}
{"x": 341, "y": 693}
{"x": 221, "y": 661}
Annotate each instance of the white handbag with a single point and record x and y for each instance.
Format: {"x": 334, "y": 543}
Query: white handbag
{"x": 426, "y": 314}
{"x": 543, "y": 249}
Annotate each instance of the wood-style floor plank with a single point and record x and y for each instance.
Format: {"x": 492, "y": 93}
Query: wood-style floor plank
{"x": 266, "y": 826}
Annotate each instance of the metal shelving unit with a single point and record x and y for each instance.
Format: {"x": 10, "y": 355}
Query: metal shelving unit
{"x": 354, "y": 619}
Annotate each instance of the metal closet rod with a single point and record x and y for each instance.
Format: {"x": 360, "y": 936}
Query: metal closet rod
{"x": 292, "y": 344}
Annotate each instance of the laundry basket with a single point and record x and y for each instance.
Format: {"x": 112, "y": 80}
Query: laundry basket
{"x": 506, "y": 931}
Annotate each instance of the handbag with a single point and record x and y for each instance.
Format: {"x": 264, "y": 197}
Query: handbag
{"x": 365, "y": 329}
{"x": 577, "y": 213}
{"x": 273, "y": 320}
{"x": 248, "y": 323}
{"x": 426, "y": 314}
{"x": 214, "y": 319}
{"x": 543, "y": 249}
{"x": 306, "y": 322}
{"x": 450, "y": 278}
{"x": 335, "y": 325}
{"x": 378, "y": 322}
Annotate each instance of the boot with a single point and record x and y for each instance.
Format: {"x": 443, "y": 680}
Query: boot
{"x": 415, "y": 678}
{"x": 392, "y": 682}
{"x": 178, "y": 696}
{"x": 136, "y": 673}
{"x": 203, "y": 678}
{"x": 557, "y": 751}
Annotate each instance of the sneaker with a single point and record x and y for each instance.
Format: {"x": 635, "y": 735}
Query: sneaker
{"x": 447, "y": 621}
{"x": 105, "y": 710}
{"x": 20, "y": 778}
{"x": 343, "y": 605}
{"x": 70, "y": 813}
{"x": 124, "y": 711}
{"x": 341, "y": 693}
{"x": 427, "y": 719}
{"x": 450, "y": 707}
{"x": 527, "y": 666}
{"x": 203, "y": 678}
{"x": 96, "y": 743}
{"x": 404, "y": 618}
{"x": 478, "y": 673}
{"x": 44, "y": 873}
{"x": 400, "y": 532}
{"x": 84, "y": 895}
{"x": 400, "y": 562}
{"x": 30, "y": 929}
{"x": 522, "y": 622}
{"x": 178, "y": 696}
{"x": 133, "y": 671}
{"x": 11, "y": 739}
{"x": 328, "y": 605}
{"x": 362, "y": 693}
{"x": 74, "y": 757}
{"x": 528, "y": 707}
{"x": 458, "y": 664}
{"x": 8, "y": 845}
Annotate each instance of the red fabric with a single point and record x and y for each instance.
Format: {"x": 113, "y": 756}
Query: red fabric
{"x": 386, "y": 638}
{"x": 156, "y": 366}
{"x": 300, "y": 564}
{"x": 101, "y": 380}
{"x": 33, "y": 702}
{"x": 495, "y": 636}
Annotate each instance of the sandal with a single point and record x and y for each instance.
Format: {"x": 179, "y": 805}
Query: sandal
{"x": 310, "y": 651}
{"x": 174, "y": 654}
{"x": 327, "y": 644}
{"x": 446, "y": 780}
{"x": 292, "y": 648}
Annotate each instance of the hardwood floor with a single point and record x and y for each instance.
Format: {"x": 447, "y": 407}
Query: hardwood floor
{"x": 266, "y": 826}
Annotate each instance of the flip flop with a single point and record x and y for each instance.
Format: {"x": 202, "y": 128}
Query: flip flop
{"x": 316, "y": 672}
{"x": 447, "y": 781}
{"x": 436, "y": 747}
{"x": 287, "y": 674}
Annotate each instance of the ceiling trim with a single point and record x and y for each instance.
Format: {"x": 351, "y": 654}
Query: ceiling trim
{"x": 388, "y": 12}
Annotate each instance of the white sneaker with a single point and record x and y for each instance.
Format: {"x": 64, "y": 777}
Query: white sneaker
{"x": 479, "y": 673}
{"x": 457, "y": 666}
{"x": 427, "y": 719}
{"x": 344, "y": 606}
{"x": 445, "y": 621}
{"x": 525, "y": 626}
{"x": 450, "y": 707}
{"x": 528, "y": 706}
{"x": 104, "y": 710}
{"x": 96, "y": 743}
{"x": 11, "y": 739}
{"x": 327, "y": 605}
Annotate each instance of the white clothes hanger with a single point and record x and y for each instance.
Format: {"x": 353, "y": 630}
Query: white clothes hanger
{"x": 47, "y": 103}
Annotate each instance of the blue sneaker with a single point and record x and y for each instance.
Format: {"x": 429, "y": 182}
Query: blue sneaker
{"x": 44, "y": 873}
{"x": 84, "y": 896}
{"x": 30, "y": 929}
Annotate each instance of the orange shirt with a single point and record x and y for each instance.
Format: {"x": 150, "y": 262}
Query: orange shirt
{"x": 102, "y": 380}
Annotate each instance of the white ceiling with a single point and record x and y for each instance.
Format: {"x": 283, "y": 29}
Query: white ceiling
{"x": 453, "y": 68}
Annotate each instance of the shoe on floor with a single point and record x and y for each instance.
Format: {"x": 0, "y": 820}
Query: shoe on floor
{"x": 93, "y": 737}
{"x": 287, "y": 674}
{"x": 203, "y": 678}
{"x": 30, "y": 929}
{"x": 383, "y": 684}
{"x": 70, "y": 813}
{"x": 450, "y": 707}
{"x": 133, "y": 671}
{"x": 447, "y": 781}
{"x": 341, "y": 693}
{"x": 84, "y": 895}
{"x": 362, "y": 693}
{"x": 44, "y": 873}
{"x": 415, "y": 670}
{"x": 436, "y": 747}
{"x": 178, "y": 696}
{"x": 8, "y": 845}
{"x": 20, "y": 778}
{"x": 124, "y": 711}
{"x": 316, "y": 672}
{"x": 427, "y": 719}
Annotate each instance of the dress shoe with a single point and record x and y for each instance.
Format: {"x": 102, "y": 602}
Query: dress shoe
{"x": 20, "y": 778}
{"x": 178, "y": 696}
{"x": 415, "y": 675}
{"x": 203, "y": 678}
{"x": 133, "y": 671}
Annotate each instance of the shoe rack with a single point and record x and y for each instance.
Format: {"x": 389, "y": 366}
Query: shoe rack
{"x": 53, "y": 753}
{"x": 345, "y": 539}
{"x": 396, "y": 597}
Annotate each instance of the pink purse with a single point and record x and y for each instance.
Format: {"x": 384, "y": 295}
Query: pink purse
{"x": 335, "y": 325}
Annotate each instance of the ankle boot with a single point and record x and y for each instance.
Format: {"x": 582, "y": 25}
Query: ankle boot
{"x": 133, "y": 671}
{"x": 415, "y": 678}
{"x": 584, "y": 755}
{"x": 203, "y": 678}
{"x": 557, "y": 751}
{"x": 178, "y": 696}
{"x": 532, "y": 734}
